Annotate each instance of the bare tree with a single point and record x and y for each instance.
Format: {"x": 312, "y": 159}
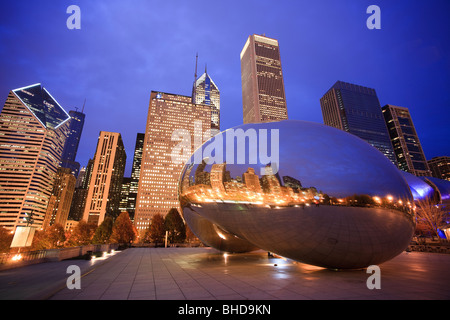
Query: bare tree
{"x": 430, "y": 216}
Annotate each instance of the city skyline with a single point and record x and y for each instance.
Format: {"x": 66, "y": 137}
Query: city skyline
{"x": 406, "y": 61}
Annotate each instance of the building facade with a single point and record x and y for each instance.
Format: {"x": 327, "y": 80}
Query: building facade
{"x": 76, "y": 124}
{"x": 206, "y": 92}
{"x": 104, "y": 192}
{"x": 80, "y": 194}
{"x": 125, "y": 195}
{"x": 405, "y": 141}
{"x": 135, "y": 173}
{"x": 356, "y": 109}
{"x": 440, "y": 167}
{"x": 263, "y": 93}
{"x": 61, "y": 199}
{"x": 33, "y": 131}
{"x": 171, "y": 119}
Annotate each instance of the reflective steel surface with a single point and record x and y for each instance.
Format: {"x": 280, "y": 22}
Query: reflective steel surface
{"x": 303, "y": 190}
{"x": 437, "y": 190}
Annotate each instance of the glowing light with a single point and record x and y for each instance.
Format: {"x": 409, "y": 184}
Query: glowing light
{"x": 377, "y": 199}
{"x": 17, "y": 257}
{"x": 221, "y": 235}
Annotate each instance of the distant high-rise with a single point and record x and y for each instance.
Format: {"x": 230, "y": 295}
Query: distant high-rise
{"x": 440, "y": 167}
{"x": 61, "y": 198}
{"x": 206, "y": 92}
{"x": 405, "y": 141}
{"x": 104, "y": 192}
{"x": 76, "y": 124}
{"x": 356, "y": 109}
{"x": 80, "y": 177}
{"x": 160, "y": 169}
{"x": 81, "y": 191}
{"x": 33, "y": 131}
{"x": 135, "y": 173}
{"x": 124, "y": 204}
{"x": 263, "y": 94}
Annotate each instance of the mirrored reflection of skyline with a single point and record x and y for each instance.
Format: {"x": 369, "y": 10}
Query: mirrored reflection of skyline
{"x": 208, "y": 183}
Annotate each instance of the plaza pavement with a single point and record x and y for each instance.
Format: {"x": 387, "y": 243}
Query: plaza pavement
{"x": 207, "y": 274}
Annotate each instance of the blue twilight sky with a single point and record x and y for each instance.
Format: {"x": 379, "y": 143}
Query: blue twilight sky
{"x": 125, "y": 49}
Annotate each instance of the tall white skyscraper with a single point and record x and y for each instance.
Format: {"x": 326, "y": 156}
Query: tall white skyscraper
{"x": 207, "y": 92}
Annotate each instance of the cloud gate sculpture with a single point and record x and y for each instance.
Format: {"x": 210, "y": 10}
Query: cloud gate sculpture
{"x": 303, "y": 190}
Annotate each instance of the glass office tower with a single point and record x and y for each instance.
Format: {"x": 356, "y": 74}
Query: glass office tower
{"x": 33, "y": 131}
{"x": 73, "y": 140}
{"x": 356, "y": 109}
{"x": 405, "y": 141}
{"x": 440, "y": 167}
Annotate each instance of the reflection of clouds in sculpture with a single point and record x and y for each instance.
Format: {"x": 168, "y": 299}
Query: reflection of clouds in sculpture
{"x": 332, "y": 200}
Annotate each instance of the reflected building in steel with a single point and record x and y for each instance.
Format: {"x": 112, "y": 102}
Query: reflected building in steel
{"x": 335, "y": 203}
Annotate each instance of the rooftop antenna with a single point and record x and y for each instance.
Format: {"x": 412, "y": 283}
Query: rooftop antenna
{"x": 82, "y": 110}
{"x": 195, "y": 78}
{"x": 196, "y": 62}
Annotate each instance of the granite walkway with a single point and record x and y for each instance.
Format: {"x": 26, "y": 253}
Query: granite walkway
{"x": 207, "y": 274}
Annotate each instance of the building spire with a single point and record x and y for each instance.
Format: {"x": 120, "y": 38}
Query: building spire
{"x": 195, "y": 79}
{"x": 196, "y": 61}
{"x": 82, "y": 110}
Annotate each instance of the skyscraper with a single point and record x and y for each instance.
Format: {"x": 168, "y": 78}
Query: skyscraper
{"x": 33, "y": 131}
{"x": 168, "y": 115}
{"x": 104, "y": 192}
{"x": 76, "y": 124}
{"x": 81, "y": 191}
{"x": 135, "y": 173}
{"x": 263, "y": 94}
{"x": 405, "y": 141}
{"x": 125, "y": 195}
{"x": 440, "y": 167}
{"x": 356, "y": 109}
{"x": 61, "y": 198}
{"x": 206, "y": 92}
